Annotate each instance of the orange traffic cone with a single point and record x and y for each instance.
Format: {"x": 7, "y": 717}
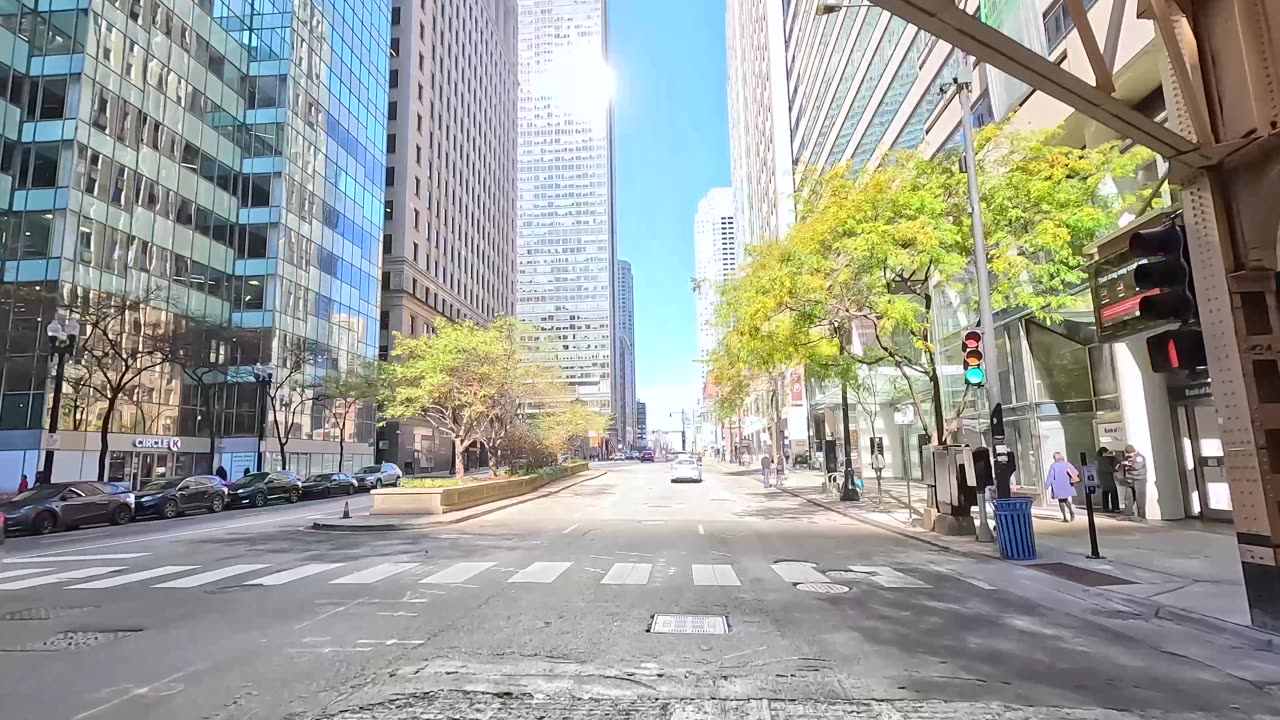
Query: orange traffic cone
{"x": 346, "y": 511}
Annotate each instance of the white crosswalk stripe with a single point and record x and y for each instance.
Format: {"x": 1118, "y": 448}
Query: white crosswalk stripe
{"x": 795, "y": 572}
{"x": 75, "y": 558}
{"x": 23, "y": 571}
{"x": 373, "y": 574}
{"x": 80, "y": 574}
{"x": 286, "y": 576}
{"x": 540, "y": 572}
{"x": 205, "y": 578}
{"x": 887, "y": 576}
{"x": 133, "y": 577}
{"x": 714, "y": 575}
{"x": 458, "y": 573}
{"x": 628, "y": 574}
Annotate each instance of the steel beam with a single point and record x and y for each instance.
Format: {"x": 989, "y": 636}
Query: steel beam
{"x": 952, "y": 24}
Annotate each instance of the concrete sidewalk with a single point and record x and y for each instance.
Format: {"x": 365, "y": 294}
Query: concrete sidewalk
{"x": 1189, "y": 565}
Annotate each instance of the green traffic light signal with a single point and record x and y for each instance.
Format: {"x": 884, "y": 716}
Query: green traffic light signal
{"x": 975, "y": 376}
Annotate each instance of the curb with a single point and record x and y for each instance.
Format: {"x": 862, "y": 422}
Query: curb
{"x": 404, "y": 526}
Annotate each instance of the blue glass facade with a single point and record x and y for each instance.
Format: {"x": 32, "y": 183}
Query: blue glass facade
{"x": 229, "y": 155}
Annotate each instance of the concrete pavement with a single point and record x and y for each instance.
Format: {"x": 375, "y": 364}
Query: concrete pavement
{"x": 546, "y": 609}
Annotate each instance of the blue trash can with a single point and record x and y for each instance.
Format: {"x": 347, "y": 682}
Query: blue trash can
{"x": 1014, "y": 530}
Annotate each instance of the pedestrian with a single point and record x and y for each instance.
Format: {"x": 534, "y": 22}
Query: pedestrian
{"x": 246, "y": 471}
{"x": 1061, "y": 481}
{"x": 1107, "y": 480}
{"x": 1131, "y": 481}
{"x": 221, "y": 472}
{"x": 23, "y": 484}
{"x": 766, "y": 467}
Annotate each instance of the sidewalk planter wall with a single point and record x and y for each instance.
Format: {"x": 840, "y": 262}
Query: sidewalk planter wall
{"x": 440, "y": 500}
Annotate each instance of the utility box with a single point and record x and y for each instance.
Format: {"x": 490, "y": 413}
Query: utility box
{"x": 955, "y": 485}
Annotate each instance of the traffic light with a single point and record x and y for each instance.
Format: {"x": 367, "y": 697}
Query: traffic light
{"x": 1177, "y": 349}
{"x": 1164, "y": 279}
{"x": 974, "y": 373}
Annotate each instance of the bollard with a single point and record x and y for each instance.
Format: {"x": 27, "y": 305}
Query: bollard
{"x": 346, "y": 511}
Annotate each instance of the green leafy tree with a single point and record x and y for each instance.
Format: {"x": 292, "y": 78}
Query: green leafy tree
{"x": 563, "y": 428}
{"x": 342, "y": 394}
{"x": 877, "y": 253}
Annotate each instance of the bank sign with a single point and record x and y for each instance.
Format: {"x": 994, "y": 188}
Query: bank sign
{"x": 158, "y": 443}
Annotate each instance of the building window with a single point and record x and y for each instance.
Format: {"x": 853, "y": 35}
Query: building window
{"x": 391, "y": 143}
{"x": 390, "y": 210}
{"x": 391, "y": 176}
{"x": 395, "y": 78}
{"x": 386, "y": 244}
{"x": 417, "y": 154}
{"x": 395, "y": 47}
{"x": 415, "y": 218}
{"x": 391, "y": 111}
{"x": 421, "y": 63}
{"x": 395, "y": 16}
{"x": 417, "y": 186}
{"x": 415, "y": 252}
{"x": 1058, "y": 23}
{"x": 419, "y": 123}
{"x": 419, "y": 91}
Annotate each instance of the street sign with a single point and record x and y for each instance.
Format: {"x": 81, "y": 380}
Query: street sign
{"x": 53, "y": 441}
{"x": 1089, "y": 473}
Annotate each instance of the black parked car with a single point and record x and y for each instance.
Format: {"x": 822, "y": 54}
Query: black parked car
{"x": 46, "y": 508}
{"x": 328, "y": 484}
{"x": 171, "y": 498}
{"x": 258, "y": 489}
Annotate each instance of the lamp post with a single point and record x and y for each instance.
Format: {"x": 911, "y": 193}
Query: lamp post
{"x": 263, "y": 374}
{"x": 63, "y": 335}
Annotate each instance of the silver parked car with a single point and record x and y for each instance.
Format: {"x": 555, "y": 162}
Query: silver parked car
{"x": 371, "y": 477}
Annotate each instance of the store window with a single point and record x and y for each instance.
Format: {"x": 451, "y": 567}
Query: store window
{"x": 1060, "y": 366}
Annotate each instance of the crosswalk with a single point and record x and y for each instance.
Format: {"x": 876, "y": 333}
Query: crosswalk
{"x": 459, "y": 574}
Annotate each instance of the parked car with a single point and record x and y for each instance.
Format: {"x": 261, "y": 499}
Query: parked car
{"x": 372, "y": 477}
{"x": 46, "y": 508}
{"x": 170, "y": 498}
{"x": 258, "y": 489}
{"x": 686, "y": 469}
{"x": 646, "y": 456}
{"x": 327, "y": 484}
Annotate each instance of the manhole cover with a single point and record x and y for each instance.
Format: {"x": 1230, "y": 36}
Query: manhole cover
{"x": 42, "y": 613}
{"x": 71, "y": 640}
{"x": 827, "y": 588}
{"x": 690, "y": 624}
{"x": 1082, "y": 576}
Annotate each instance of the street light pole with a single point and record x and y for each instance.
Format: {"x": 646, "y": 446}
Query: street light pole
{"x": 62, "y": 342}
{"x": 263, "y": 374}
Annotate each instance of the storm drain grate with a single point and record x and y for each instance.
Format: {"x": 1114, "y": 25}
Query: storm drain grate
{"x": 1079, "y": 575}
{"x": 71, "y": 640}
{"x": 690, "y": 624}
{"x": 827, "y": 588}
{"x": 42, "y": 613}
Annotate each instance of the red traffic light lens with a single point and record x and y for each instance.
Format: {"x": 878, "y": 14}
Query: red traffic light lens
{"x": 972, "y": 340}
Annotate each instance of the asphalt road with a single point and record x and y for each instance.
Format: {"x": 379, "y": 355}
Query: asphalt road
{"x": 545, "y": 610}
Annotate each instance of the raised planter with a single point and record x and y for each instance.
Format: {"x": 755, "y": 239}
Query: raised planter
{"x": 437, "y": 501}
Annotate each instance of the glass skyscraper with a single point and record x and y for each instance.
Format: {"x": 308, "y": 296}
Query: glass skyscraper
{"x": 565, "y": 239}
{"x": 228, "y": 155}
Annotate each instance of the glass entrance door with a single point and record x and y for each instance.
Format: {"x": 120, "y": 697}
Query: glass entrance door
{"x": 1201, "y": 461}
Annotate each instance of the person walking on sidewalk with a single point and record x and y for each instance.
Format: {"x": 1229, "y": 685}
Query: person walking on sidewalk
{"x": 1061, "y": 481}
{"x": 766, "y": 467}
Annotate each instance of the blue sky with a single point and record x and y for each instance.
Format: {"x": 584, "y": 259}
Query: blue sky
{"x": 671, "y": 145}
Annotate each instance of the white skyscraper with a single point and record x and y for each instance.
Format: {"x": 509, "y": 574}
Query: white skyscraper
{"x": 565, "y": 237}
{"x": 717, "y": 252}
{"x": 625, "y": 354}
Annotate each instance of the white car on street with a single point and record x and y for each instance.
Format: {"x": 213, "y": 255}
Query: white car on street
{"x": 374, "y": 477}
{"x": 686, "y": 469}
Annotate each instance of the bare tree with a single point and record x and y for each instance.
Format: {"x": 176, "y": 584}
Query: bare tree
{"x": 124, "y": 338}
{"x": 200, "y": 349}
{"x": 292, "y": 386}
{"x": 342, "y": 392}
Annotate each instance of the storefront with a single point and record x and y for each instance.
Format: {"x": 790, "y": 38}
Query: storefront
{"x": 1200, "y": 453}
{"x": 155, "y": 458}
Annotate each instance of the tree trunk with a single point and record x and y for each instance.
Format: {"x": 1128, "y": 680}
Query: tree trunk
{"x": 342, "y": 441}
{"x": 780, "y": 457}
{"x": 459, "y": 468}
{"x": 939, "y": 421}
{"x": 213, "y": 429}
{"x": 103, "y": 433}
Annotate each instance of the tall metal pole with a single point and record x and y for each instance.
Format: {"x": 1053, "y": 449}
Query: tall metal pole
{"x": 850, "y": 490}
{"x": 55, "y": 409}
{"x": 262, "y": 418}
{"x": 986, "y": 320}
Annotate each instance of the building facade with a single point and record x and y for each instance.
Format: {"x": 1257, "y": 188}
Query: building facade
{"x": 153, "y": 151}
{"x": 625, "y": 337}
{"x": 642, "y": 423}
{"x": 566, "y": 247}
{"x": 717, "y": 252}
{"x": 449, "y": 222}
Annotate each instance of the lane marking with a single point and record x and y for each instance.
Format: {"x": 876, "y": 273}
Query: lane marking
{"x": 76, "y": 558}
{"x": 135, "y": 693}
{"x": 794, "y": 572}
{"x": 540, "y": 572}
{"x": 133, "y": 577}
{"x": 373, "y": 574}
{"x": 77, "y": 536}
{"x": 701, "y": 531}
{"x": 59, "y": 577}
{"x": 392, "y": 641}
{"x": 211, "y": 576}
{"x": 888, "y": 577}
{"x": 459, "y": 573}
{"x": 335, "y": 611}
{"x": 297, "y": 573}
{"x": 569, "y": 529}
{"x": 134, "y": 541}
{"x": 23, "y": 571}
{"x": 628, "y": 574}
{"x": 972, "y": 581}
{"x": 714, "y": 575}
